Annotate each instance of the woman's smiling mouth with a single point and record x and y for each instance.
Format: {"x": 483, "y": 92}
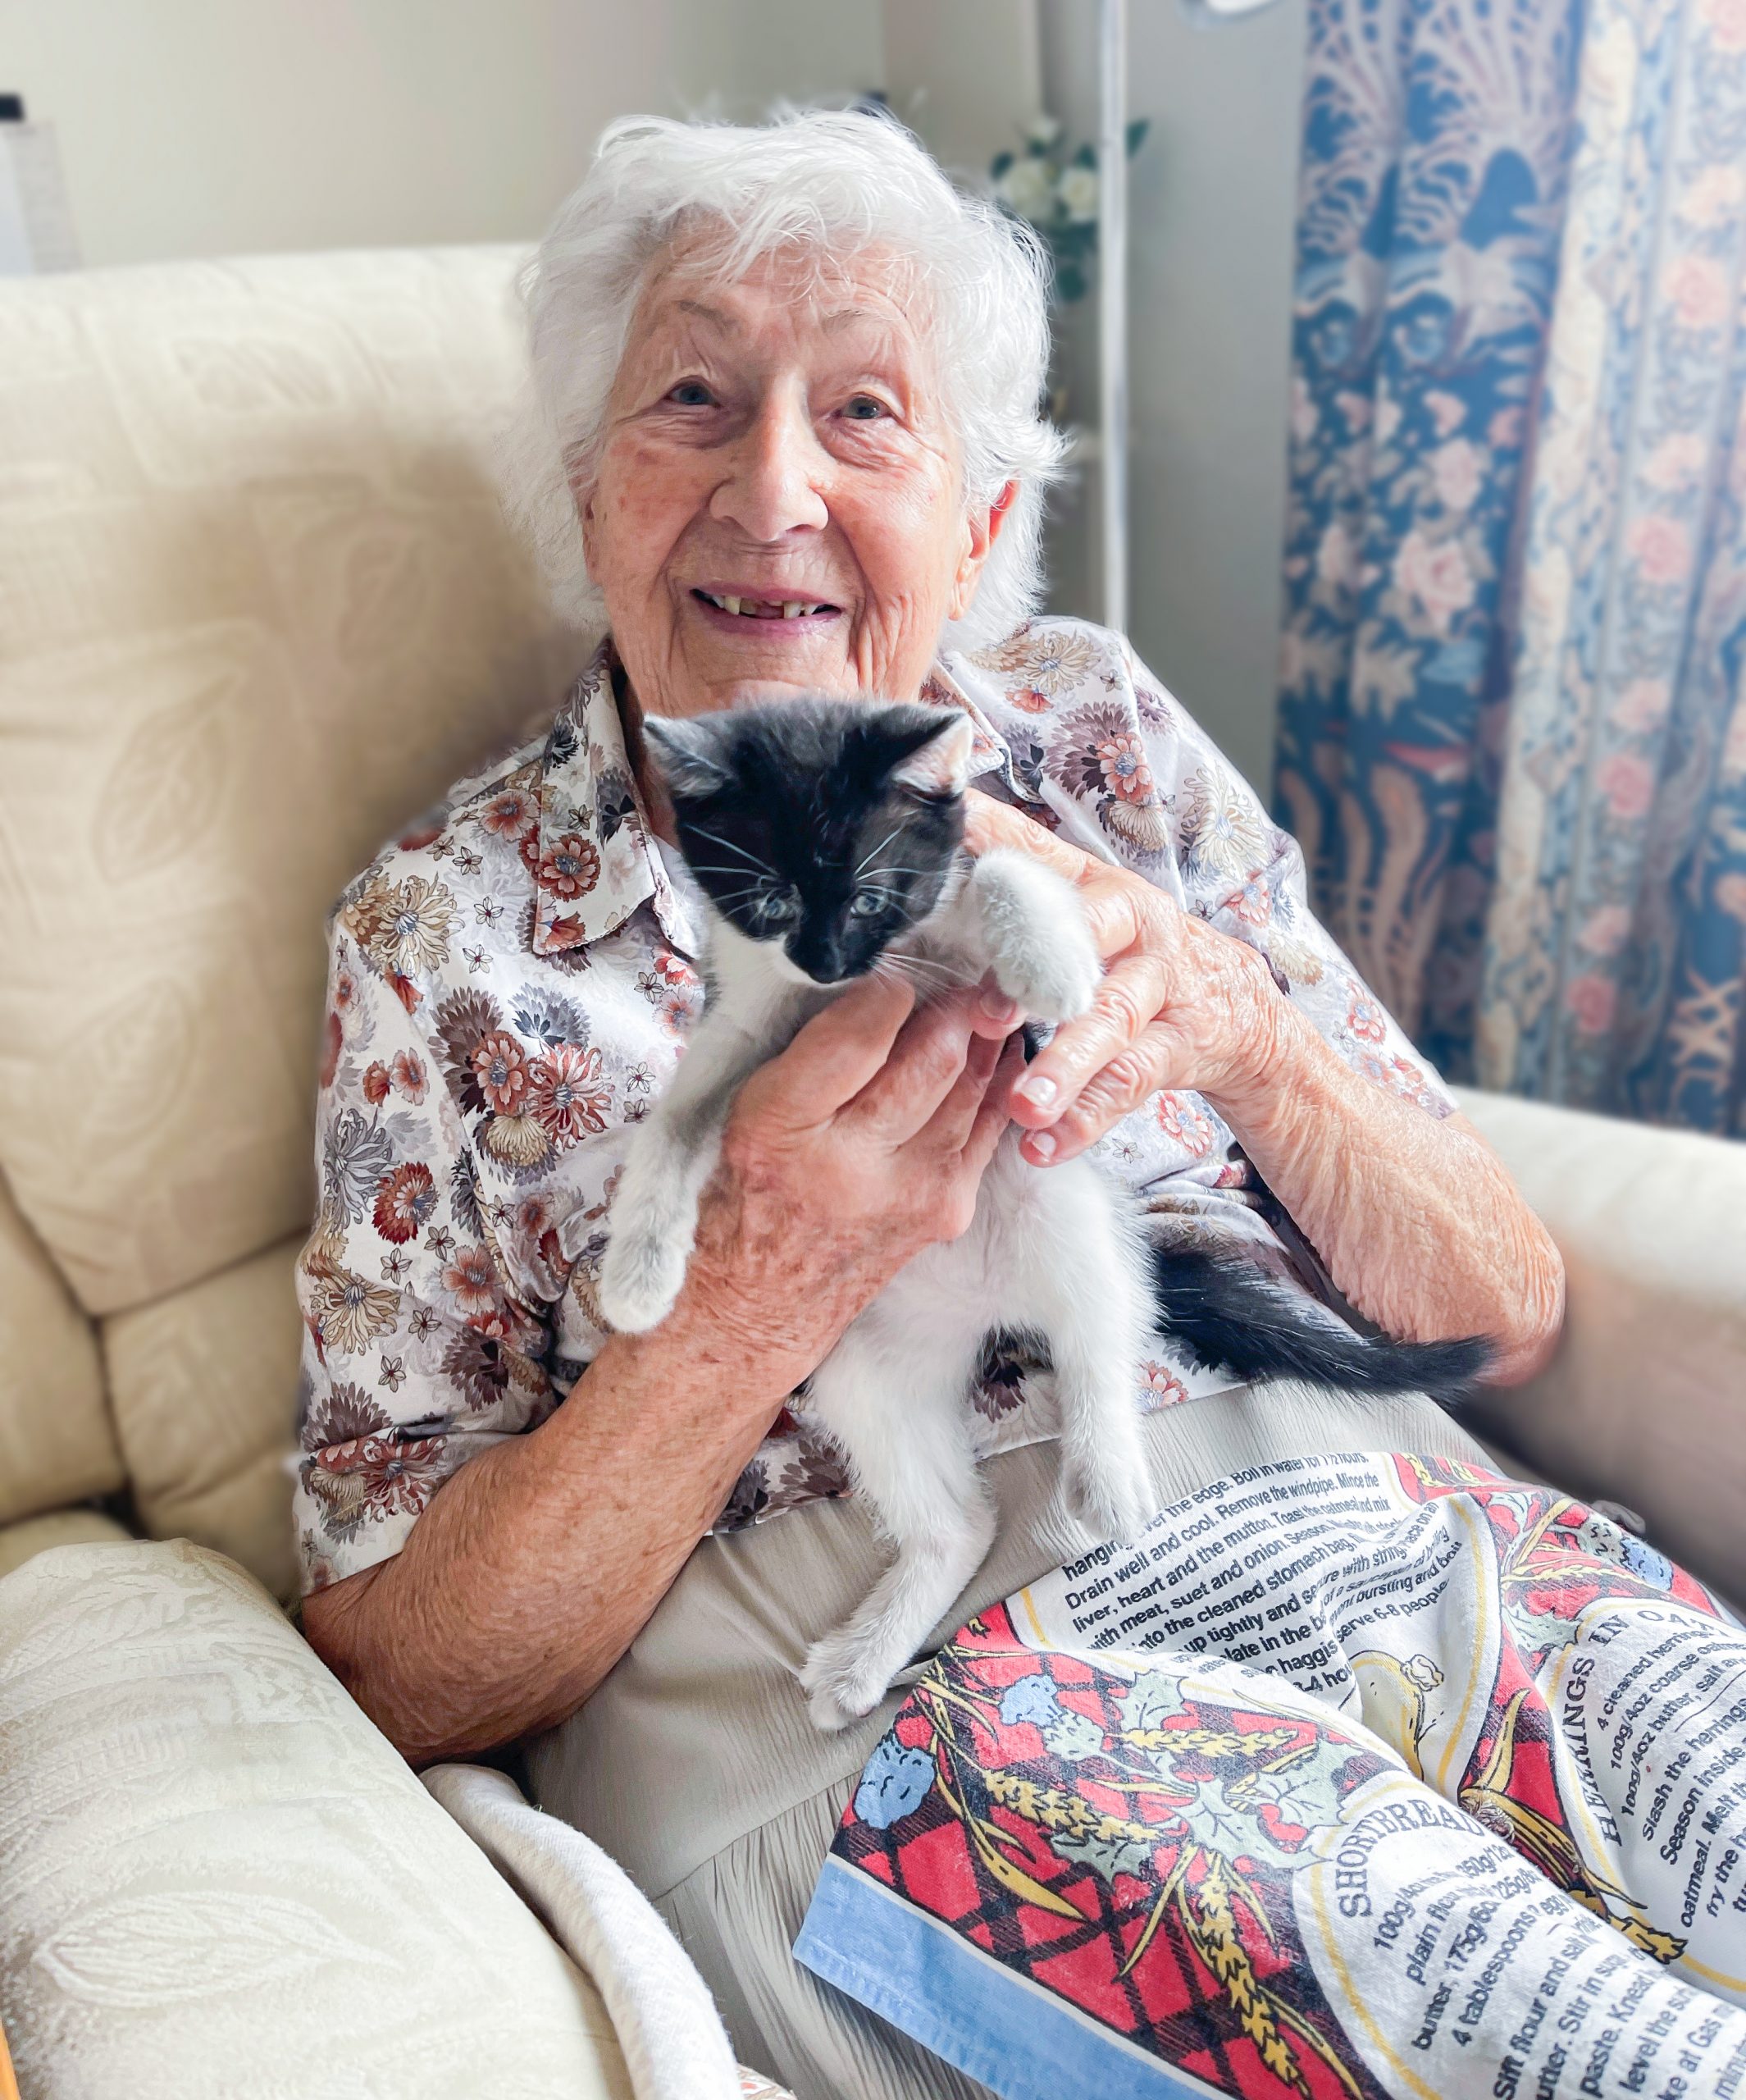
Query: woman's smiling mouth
{"x": 745, "y": 605}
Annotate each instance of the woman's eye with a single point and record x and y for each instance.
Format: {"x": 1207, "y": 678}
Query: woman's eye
{"x": 692, "y": 394}
{"x": 865, "y": 903}
{"x": 863, "y": 408}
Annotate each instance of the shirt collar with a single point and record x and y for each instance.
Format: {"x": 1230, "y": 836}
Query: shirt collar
{"x": 598, "y": 859}
{"x": 990, "y": 752}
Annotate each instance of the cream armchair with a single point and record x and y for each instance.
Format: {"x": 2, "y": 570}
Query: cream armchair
{"x": 257, "y": 600}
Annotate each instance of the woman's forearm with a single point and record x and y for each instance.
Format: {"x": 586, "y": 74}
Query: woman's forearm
{"x": 537, "y": 1563}
{"x": 1416, "y": 1219}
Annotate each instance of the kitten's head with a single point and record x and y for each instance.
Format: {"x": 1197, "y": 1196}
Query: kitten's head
{"x": 822, "y": 829}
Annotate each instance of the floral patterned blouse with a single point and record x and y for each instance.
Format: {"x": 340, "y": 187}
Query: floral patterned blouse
{"x": 511, "y": 985}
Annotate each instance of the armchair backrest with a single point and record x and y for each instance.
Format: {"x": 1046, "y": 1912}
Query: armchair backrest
{"x": 257, "y": 605}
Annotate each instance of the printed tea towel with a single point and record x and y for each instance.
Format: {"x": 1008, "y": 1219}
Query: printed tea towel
{"x": 1356, "y": 1776}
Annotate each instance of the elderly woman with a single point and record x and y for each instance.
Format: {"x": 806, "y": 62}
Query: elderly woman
{"x": 786, "y": 433}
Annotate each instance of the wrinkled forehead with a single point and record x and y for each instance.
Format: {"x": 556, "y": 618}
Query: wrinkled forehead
{"x": 870, "y": 303}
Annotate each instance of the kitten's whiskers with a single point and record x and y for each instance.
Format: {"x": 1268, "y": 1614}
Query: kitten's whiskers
{"x": 728, "y": 845}
{"x": 880, "y": 847}
{"x": 913, "y": 966}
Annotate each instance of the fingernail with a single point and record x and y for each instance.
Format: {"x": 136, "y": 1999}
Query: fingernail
{"x": 1041, "y": 1144}
{"x": 997, "y": 1006}
{"x": 1038, "y": 1090}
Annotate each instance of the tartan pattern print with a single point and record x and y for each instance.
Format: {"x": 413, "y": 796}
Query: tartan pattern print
{"x": 1082, "y": 1873}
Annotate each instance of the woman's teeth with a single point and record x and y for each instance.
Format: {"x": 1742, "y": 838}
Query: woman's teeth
{"x": 766, "y": 609}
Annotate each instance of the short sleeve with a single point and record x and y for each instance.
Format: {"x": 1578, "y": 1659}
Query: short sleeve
{"x": 418, "y": 1353}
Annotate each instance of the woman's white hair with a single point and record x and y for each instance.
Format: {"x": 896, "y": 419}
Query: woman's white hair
{"x": 821, "y": 184}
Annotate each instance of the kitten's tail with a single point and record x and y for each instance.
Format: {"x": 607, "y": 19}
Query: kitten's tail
{"x": 1261, "y": 1329}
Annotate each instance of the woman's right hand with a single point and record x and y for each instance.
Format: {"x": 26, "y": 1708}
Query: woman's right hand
{"x": 862, "y": 1143}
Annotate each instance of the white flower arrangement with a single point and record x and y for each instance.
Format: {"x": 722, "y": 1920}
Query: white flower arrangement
{"x": 1057, "y": 194}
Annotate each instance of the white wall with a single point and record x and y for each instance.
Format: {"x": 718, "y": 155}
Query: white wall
{"x": 738, "y": 58}
{"x": 966, "y": 76}
{"x": 211, "y": 127}
{"x": 1212, "y": 205}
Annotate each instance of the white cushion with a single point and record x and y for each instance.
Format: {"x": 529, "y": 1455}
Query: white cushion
{"x": 57, "y": 1443}
{"x": 217, "y": 1878}
{"x": 258, "y": 605}
{"x": 203, "y": 1383}
{"x": 1645, "y": 1401}
{"x": 23, "y": 1542}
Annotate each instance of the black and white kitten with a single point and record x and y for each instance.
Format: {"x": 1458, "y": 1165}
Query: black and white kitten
{"x": 826, "y": 835}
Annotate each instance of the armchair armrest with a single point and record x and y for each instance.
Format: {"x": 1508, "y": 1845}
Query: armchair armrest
{"x": 1645, "y": 1400}
{"x": 216, "y": 1876}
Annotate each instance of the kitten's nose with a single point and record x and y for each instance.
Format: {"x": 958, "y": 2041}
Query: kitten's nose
{"x": 820, "y": 956}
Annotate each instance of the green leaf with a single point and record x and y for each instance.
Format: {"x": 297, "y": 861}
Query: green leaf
{"x": 999, "y": 165}
{"x": 1069, "y": 283}
{"x": 1106, "y": 1856}
{"x": 1087, "y": 155}
{"x": 1137, "y": 132}
{"x": 1154, "y": 1697}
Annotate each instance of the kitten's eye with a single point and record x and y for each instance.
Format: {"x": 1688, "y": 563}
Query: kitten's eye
{"x": 775, "y": 906}
{"x": 865, "y": 903}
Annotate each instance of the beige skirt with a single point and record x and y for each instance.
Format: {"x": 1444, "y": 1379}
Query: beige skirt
{"x": 695, "y": 1766}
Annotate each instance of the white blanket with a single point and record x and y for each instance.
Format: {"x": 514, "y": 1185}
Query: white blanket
{"x": 667, "y": 2024}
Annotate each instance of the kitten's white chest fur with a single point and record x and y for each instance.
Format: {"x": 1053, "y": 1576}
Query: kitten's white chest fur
{"x": 1052, "y": 1251}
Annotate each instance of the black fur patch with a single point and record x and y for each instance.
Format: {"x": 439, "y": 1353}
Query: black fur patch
{"x": 1226, "y": 1312}
{"x": 788, "y": 816}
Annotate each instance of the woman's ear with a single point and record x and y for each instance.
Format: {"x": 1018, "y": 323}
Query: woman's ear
{"x": 582, "y": 497}
{"x": 982, "y": 529}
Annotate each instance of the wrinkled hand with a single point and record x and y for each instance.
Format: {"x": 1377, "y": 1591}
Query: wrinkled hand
{"x": 862, "y": 1143}
{"x": 1180, "y": 1004}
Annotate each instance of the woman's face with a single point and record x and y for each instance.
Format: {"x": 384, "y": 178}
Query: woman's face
{"x": 778, "y": 506}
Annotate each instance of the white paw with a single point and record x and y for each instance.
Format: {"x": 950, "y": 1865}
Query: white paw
{"x": 1111, "y": 1495}
{"x": 1056, "y": 983}
{"x": 639, "y": 1278}
{"x": 843, "y": 1679}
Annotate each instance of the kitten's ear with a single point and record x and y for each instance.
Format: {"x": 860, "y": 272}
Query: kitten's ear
{"x": 940, "y": 769}
{"x": 687, "y": 755}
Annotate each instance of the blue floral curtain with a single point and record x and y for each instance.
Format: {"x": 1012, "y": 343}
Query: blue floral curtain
{"x": 1513, "y": 723}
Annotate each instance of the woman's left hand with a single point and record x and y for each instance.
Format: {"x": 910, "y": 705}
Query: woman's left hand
{"x": 1180, "y": 1004}
{"x": 1414, "y": 1215}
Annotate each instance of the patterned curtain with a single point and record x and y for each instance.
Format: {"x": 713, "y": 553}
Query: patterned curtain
{"x": 1513, "y": 726}
{"x": 1613, "y": 952}
{"x": 1436, "y": 142}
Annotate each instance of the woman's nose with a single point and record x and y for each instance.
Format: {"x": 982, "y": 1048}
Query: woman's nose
{"x": 773, "y": 485}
